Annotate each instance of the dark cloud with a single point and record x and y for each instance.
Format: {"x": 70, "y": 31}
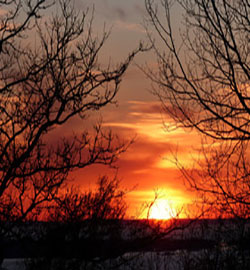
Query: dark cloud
{"x": 122, "y": 15}
{"x": 112, "y": 12}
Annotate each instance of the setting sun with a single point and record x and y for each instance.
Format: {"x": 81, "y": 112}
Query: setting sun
{"x": 162, "y": 209}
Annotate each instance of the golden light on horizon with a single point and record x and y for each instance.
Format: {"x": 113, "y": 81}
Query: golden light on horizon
{"x": 168, "y": 203}
{"x": 162, "y": 209}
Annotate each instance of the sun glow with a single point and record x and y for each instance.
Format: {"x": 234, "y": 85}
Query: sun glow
{"x": 162, "y": 209}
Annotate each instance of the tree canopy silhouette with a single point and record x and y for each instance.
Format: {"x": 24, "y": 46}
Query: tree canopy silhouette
{"x": 203, "y": 84}
{"x": 49, "y": 74}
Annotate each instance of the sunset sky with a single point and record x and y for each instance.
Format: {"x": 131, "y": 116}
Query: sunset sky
{"x": 147, "y": 165}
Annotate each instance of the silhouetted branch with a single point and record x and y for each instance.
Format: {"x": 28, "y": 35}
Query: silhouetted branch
{"x": 43, "y": 85}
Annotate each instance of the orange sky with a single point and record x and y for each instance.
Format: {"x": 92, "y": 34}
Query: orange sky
{"x": 146, "y": 165}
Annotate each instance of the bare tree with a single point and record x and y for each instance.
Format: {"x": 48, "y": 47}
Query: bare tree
{"x": 203, "y": 84}
{"x": 105, "y": 202}
{"x": 90, "y": 221}
{"x": 49, "y": 74}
